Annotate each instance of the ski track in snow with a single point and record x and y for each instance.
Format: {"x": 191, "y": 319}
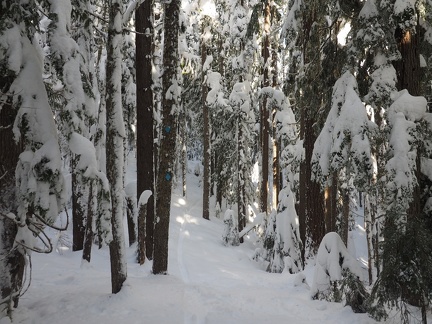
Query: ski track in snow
{"x": 193, "y": 314}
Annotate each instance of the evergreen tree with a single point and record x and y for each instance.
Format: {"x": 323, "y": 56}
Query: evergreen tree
{"x": 32, "y": 184}
{"x": 170, "y": 105}
{"x": 343, "y": 145}
{"x": 145, "y": 126}
{"x": 115, "y": 135}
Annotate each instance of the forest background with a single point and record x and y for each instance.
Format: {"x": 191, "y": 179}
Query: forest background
{"x": 327, "y": 99}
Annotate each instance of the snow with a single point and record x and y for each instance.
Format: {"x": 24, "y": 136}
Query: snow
{"x": 206, "y": 283}
{"x": 208, "y": 8}
{"x": 332, "y": 258}
{"x": 144, "y": 197}
{"x": 369, "y": 10}
{"x": 412, "y": 107}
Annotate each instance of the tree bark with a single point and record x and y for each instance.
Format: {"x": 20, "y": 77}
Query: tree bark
{"x": 141, "y": 253}
{"x": 130, "y": 217}
{"x": 78, "y": 206}
{"x": 206, "y": 130}
{"x": 12, "y": 261}
{"x": 88, "y": 237}
{"x": 115, "y": 145}
{"x": 145, "y": 128}
{"x": 240, "y": 182}
{"x": 265, "y": 113}
{"x": 168, "y": 139}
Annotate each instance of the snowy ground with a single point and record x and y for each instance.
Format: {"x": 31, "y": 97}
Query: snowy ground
{"x": 207, "y": 283}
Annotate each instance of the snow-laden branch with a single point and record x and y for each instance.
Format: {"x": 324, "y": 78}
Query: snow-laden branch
{"x": 131, "y": 7}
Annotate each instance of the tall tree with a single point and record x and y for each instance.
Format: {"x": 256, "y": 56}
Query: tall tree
{"x": 205, "y": 26}
{"x": 145, "y": 128}
{"x": 305, "y": 30}
{"x": 170, "y": 104}
{"x": 70, "y": 55}
{"x": 264, "y": 114}
{"x": 12, "y": 260}
{"x": 115, "y": 134}
{"x": 32, "y": 185}
{"x": 406, "y": 188}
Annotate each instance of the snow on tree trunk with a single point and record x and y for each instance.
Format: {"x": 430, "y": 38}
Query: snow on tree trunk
{"x": 31, "y": 184}
{"x": 114, "y": 144}
{"x": 206, "y": 120}
{"x": 12, "y": 261}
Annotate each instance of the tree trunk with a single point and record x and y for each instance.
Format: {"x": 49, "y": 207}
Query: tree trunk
{"x": 130, "y": 216}
{"x": 206, "y": 131}
{"x": 145, "y": 128}
{"x": 78, "y": 209}
{"x": 345, "y": 216}
{"x": 115, "y": 145}
{"x": 240, "y": 181}
{"x": 277, "y": 178}
{"x": 12, "y": 261}
{"x": 88, "y": 237}
{"x": 168, "y": 140}
{"x": 183, "y": 152}
{"x": 368, "y": 226}
{"x": 330, "y": 204}
{"x": 141, "y": 252}
{"x": 265, "y": 113}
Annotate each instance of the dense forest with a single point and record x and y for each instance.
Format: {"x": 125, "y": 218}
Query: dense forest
{"x": 299, "y": 111}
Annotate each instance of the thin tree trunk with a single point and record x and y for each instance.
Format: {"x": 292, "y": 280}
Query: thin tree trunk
{"x": 12, "y": 261}
{"x": 368, "y": 225}
{"x": 114, "y": 145}
{"x": 265, "y": 113}
{"x": 240, "y": 181}
{"x": 206, "y": 130}
{"x": 88, "y": 237}
{"x": 168, "y": 140}
{"x": 78, "y": 209}
{"x": 145, "y": 124}
{"x": 183, "y": 152}
{"x": 130, "y": 216}
{"x": 345, "y": 216}
{"x": 141, "y": 251}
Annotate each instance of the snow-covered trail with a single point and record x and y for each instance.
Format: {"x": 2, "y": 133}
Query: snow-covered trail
{"x": 224, "y": 285}
{"x": 207, "y": 283}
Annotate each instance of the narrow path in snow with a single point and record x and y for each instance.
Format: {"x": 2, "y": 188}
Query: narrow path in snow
{"x": 224, "y": 285}
{"x": 195, "y": 312}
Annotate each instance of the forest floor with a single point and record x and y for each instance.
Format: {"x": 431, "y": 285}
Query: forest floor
{"x": 206, "y": 282}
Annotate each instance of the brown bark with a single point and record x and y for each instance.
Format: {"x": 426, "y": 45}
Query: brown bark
{"x": 145, "y": 128}
{"x": 168, "y": 140}
{"x": 312, "y": 198}
{"x": 330, "y": 210}
{"x": 264, "y": 118}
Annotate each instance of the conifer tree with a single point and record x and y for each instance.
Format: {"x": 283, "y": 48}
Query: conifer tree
{"x": 170, "y": 105}
{"x": 115, "y": 135}
{"x": 32, "y": 185}
{"x": 145, "y": 126}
